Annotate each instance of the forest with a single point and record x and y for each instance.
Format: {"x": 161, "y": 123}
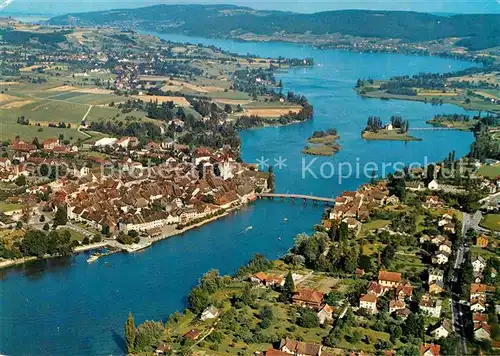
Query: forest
{"x": 480, "y": 31}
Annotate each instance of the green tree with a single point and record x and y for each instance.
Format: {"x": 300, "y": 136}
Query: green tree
{"x": 20, "y": 181}
{"x": 46, "y": 227}
{"x": 61, "y": 217}
{"x": 414, "y": 326}
{"x": 288, "y": 288}
{"x": 147, "y": 335}
{"x": 130, "y": 333}
{"x": 308, "y": 319}
{"x": 198, "y": 300}
{"x": 211, "y": 281}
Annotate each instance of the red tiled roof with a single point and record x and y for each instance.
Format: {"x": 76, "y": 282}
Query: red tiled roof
{"x": 389, "y": 276}
{"x": 308, "y": 295}
{"x": 433, "y": 348}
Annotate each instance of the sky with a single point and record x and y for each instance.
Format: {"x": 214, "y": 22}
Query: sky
{"x": 436, "y": 6}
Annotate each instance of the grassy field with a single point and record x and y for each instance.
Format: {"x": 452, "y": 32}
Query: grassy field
{"x": 321, "y": 150}
{"x": 491, "y": 221}
{"x": 388, "y": 135}
{"x": 489, "y": 171}
{"x": 6, "y": 207}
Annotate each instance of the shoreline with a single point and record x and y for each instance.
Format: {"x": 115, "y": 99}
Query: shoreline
{"x": 11, "y": 263}
{"x": 124, "y": 248}
{"x": 473, "y": 59}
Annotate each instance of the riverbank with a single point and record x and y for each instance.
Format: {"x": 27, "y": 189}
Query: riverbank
{"x": 464, "y": 98}
{"x": 20, "y": 261}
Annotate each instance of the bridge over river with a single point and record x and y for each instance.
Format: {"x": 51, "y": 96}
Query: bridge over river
{"x": 292, "y": 197}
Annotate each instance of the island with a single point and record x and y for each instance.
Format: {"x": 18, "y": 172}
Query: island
{"x": 323, "y": 143}
{"x": 396, "y": 130}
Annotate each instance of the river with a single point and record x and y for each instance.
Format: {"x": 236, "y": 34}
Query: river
{"x": 69, "y": 307}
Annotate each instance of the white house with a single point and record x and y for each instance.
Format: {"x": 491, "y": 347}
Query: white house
{"x": 325, "y": 314}
{"x": 435, "y": 274}
{"x": 444, "y": 329}
{"x": 107, "y": 141}
{"x": 440, "y": 257}
{"x": 477, "y": 306}
{"x": 433, "y": 185}
{"x": 431, "y": 306}
{"x": 482, "y": 331}
{"x": 210, "y": 313}
{"x": 445, "y": 247}
{"x": 479, "y": 264}
{"x": 368, "y": 302}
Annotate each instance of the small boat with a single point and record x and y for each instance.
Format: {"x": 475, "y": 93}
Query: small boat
{"x": 279, "y": 238}
{"x": 93, "y": 258}
{"x": 249, "y": 228}
{"x": 285, "y": 219}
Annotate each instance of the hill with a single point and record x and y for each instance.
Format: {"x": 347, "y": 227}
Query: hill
{"x": 478, "y": 31}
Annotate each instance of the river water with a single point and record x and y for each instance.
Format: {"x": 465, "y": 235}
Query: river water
{"x": 69, "y": 307}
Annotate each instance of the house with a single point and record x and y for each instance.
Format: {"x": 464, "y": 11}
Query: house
{"x": 192, "y": 334}
{"x": 50, "y": 144}
{"x": 308, "y": 298}
{"x": 392, "y": 200}
{"x": 402, "y": 313}
{"x": 436, "y": 287}
{"x": 389, "y": 279}
{"x": 443, "y": 330}
{"x": 430, "y": 350}
{"x": 415, "y": 186}
{"x": 480, "y": 290}
{"x": 325, "y": 314}
{"x": 430, "y": 306}
{"x": 433, "y": 185}
{"x": 477, "y": 305}
{"x": 396, "y": 304}
{"x": 274, "y": 352}
{"x": 375, "y": 289}
{"x": 478, "y": 264}
{"x": 210, "y": 313}
{"x": 440, "y": 258}
{"x": 482, "y": 241}
{"x": 482, "y": 331}
{"x": 434, "y": 202}
{"x": 438, "y": 240}
{"x": 435, "y": 274}
{"x": 445, "y": 247}
{"x": 163, "y": 349}
{"x": 267, "y": 280}
{"x": 105, "y": 142}
{"x": 299, "y": 348}
{"x": 201, "y": 154}
{"x": 368, "y": 302}
{"x": 404, "y": 290}
{"x": 5, "y": 162}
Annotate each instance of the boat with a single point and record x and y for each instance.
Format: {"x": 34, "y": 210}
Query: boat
{"x": 93, "y": 258}
{"x": 285, "y": 219}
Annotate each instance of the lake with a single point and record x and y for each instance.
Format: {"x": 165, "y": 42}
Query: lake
{"x": 69, "y": 307}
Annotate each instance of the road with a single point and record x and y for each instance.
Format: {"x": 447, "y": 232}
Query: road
{"x": 460, "y": 313}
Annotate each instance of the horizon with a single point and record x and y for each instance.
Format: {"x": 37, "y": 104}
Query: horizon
{"x": 445, "y": 7}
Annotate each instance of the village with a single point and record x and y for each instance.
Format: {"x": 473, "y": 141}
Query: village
{"x": 388, "y": 271}
{"x": 163, "y": 191}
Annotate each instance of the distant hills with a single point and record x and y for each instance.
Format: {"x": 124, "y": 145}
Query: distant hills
{"x": 478, "y": 31}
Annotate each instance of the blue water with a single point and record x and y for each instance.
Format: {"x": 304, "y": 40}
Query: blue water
{"x": 69, "y": 307}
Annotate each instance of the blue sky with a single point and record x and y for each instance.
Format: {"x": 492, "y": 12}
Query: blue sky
{"x": 446, "y": 6}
